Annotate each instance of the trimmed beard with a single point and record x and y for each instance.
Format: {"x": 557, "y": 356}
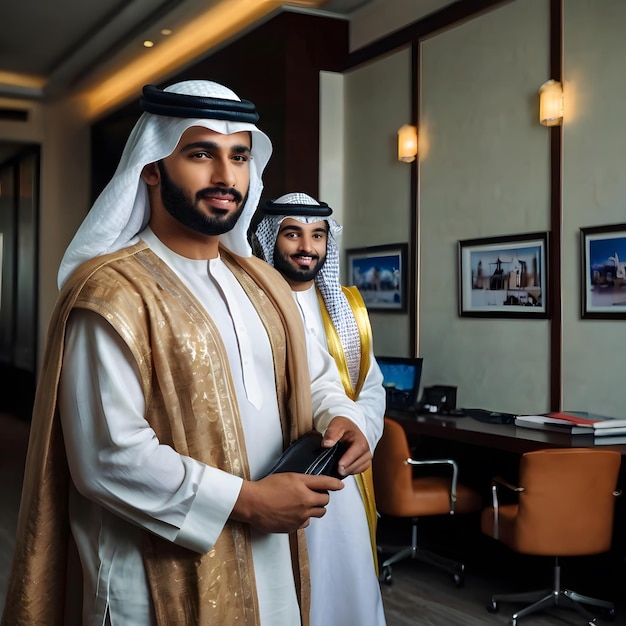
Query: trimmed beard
{"x": 183, "y": 210}
{"x": 285, "y": 266}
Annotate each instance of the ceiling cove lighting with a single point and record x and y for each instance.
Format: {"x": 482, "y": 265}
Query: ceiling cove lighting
{"x": 221, "y": 20}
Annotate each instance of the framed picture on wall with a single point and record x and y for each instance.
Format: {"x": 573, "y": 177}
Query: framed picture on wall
{"x": 603, "y": 254}
{"x": 504, "y": 276}
{"x": 380, "y": 273}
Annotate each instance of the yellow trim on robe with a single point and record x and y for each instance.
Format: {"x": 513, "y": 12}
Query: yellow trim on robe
{"x": 364, "y": 480}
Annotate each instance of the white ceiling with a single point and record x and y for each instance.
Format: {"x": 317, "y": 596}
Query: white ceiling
{"x": 47, "y": 47}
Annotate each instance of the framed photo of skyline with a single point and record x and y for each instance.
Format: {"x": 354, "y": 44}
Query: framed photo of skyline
{"x": 603, "y": 265}
{"x": 504, "y": 276}
{"x": 380, "y": 273}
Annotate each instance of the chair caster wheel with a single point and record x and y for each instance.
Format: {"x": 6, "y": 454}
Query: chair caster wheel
{"x": 611, "y": 615}
{"x": 459, "y": 575}
{"x": 385, "y": 575}
{"x": 493, "y": 607}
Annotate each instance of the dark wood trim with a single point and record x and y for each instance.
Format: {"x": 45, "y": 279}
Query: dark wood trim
{"x": 412, "y": 35}
{"x": 415, "y": 80}
{"x": 276, "y": 65}
{"x": 424, "y": 27}
{"x": 556, "y": 223}
{"x": 503, "y": 437}
{"x": 15, "y": 243}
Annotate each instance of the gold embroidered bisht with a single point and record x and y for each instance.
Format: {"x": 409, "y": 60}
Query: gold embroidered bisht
{"x": 364, "y": 480}
{"x": 161, "y": 322}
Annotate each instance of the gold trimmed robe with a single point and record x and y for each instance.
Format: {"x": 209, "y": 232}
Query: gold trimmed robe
{"x": 364, "y": 480}
{"x": 156, "y": 316}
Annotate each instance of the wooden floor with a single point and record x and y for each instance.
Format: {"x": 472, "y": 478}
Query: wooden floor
{"x": 13, "y": 443}
{"x": 425, "y": 595}
{"x": 419, "y": 594}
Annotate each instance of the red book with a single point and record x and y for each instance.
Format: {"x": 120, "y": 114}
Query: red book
{"x": 588, "y": 419}
{"x": 585, "y": 420}
{"x": 574, "y": 422}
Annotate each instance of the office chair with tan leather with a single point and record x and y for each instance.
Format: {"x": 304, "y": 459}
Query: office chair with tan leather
{"x": 401, "y": 494}
{"x": 564, "y": 506}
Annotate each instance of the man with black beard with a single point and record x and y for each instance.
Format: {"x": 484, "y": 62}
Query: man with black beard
{"x": 175, "y": 373}
{"x": 300, "y": 239}
{"x": 189, "y": 213}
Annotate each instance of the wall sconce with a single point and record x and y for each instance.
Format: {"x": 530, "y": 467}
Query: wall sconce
{"x": 551, "y": 103}
{"x": 407, "y": 143}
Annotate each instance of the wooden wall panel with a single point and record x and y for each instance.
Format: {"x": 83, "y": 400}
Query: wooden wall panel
{"x": 277, "y": 67}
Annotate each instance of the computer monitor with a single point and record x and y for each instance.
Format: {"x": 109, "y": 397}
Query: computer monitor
{"x": 401, "y": 380}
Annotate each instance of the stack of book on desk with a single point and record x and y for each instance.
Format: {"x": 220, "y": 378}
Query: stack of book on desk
{"x": 605, "y": 430}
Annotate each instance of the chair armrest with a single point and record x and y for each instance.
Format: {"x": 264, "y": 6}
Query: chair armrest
{"x": 498, "y": 481}
{"x": 455, "y": 475}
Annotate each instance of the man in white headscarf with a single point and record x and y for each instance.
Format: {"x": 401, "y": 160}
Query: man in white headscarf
{"x": 298, "y": 236}
{"x": 175, "y": 373}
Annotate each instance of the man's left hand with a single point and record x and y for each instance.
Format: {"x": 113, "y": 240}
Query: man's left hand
{"x": 358, "y": 456}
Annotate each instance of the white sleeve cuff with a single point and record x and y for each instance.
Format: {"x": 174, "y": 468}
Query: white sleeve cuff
{"x": 214, "y": 501}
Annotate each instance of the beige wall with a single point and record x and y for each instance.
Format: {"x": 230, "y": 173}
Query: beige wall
{"x": 63, "y": 132}
{"x": 65, "y": 185}
{"x": 594, "y": 193}
{"x": 377, "y": 198}
{"x": 382, "y": 17}
{"x": 486, "y": 173}
{"x": 484, "y": 168}
{"x": 332, "y": 145}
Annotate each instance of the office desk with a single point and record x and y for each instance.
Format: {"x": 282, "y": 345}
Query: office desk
{"x": 482, "y": 451}
{"x": 504, "y": 437}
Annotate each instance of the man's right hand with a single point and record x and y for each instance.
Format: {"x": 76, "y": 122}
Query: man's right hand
{"x": 283, "y": 503}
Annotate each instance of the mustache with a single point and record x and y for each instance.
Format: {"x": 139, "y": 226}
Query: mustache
{"x": 220, "y": 191}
